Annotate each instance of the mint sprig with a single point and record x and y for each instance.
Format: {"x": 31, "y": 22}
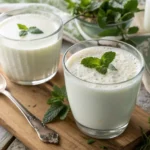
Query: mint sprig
{"x": 22, "y": 27}
{"x": 25, "y": 30}
{"x": 23, "y": 33}
{"x": 35, "y": 30}
{"x": 100, "y": 64}
{"x": 58, "y": 108}
{"x": 106, "y": 12}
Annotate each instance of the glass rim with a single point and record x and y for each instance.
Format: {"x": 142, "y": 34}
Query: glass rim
{"x": 29, "y": 40}
{"x": 108, "y": 25}
{"x": 103, "y": 84}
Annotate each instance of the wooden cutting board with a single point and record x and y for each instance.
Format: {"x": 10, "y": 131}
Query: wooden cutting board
{"x": 34, "y": 98}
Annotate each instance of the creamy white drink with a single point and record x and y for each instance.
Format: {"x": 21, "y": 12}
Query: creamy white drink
{"x": 98, "y": 101}
{"x": 33, "y": 57}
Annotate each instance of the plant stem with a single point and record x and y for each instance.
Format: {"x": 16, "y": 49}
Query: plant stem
{"x": 122, "y": 33}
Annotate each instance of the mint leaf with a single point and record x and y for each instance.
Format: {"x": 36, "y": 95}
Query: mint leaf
{"x": 64, "y": 112}
{"x": 91, "y": 141}
{"x": 110, "y": 32}
{"x": 131, "y": 5}
{"x": 57, "y": 95}
{"x": 71, "y": 4}
{"x": 127, "y": 16}
{"x": 101, "y": 69}
{"x": 35, "y": 30}
{"x": 94, "y": 6}
{"x": 22, "y": 27}
{"x": 90, "y": 62}
{"x": 85, "y": 2}
{"x": 107, "y": 58}
{"x": 102, "y": 64}
{"x": 60, "y": 91}
{"x": 102, "y": 18}
{"x": 133, "y": 30}
{"x": 24, "y": 30}
{"x": 53, "y": 112}
{"x": 117, "y": 16}
{"x": 23, "y": 33}
{"x": 112, "y": 67}
{"x": 57, "y": 108}
{"x": 54, "y": 99}
{"x": 129, "y": 41}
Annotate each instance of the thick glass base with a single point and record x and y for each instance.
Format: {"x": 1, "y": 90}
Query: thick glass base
{"x": 101, "y": 134}
{"x": 35, "y": 82}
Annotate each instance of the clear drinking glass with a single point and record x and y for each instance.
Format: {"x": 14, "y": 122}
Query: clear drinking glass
{"x": 31, "y": 61}
{"x": 102, "y": 110}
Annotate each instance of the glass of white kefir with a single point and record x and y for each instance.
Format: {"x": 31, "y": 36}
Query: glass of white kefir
{"x": 102, "y": 104}
{"x": 33, "y": 58}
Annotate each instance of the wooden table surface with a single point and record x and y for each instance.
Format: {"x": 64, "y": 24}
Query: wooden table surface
{"x": 8, "y": 142}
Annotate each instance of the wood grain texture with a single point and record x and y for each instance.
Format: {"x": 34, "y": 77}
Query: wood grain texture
{"x": 71, "y": 137}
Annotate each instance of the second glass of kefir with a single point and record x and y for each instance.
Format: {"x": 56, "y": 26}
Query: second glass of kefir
{"x": 102, "y": 104}
{"x": 31, "y": 59}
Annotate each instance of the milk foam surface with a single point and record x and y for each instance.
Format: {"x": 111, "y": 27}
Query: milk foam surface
{"x": 126, "y": 63}
{"x": 9, "y": 28}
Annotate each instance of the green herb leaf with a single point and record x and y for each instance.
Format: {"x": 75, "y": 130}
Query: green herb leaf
{"x": 105, "y": 5}
{"x": 127, "y": 16}
{"x": 71, "y": 4}
{"x": 35, "y": 30}
{"x": 133, "y": 30}
{"x": 102, "y": 18}
{"x": 102, "y": 64}
{"x": 101, "y": 69}
{"x": 24, "y": 30}
{"x": 60, "y": 91}
{"x": 94, "y": 6}
{"x": 102, "y": 22}
{"x": 115, "y": 13}
{"x": 53, "y": 112}
{"x": 110, "y": 32}
{"x": 57, "y": 95}
{"x": 23, "y": 33}
{"x": 90, "y": 141}
{"x": 90, "y": 62}
{"x": 112, "y": 67}
{"x": 131, "y": 5}
{"x": 107, "y": 58}
{"x": 64, "y": 112}
{"x": 57, "y": 108}
{"x": 22, "y": 27}
{"x": 117, "y": 16}
{"x": 129, "y": 41}
{"x": 85, "y": 2}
